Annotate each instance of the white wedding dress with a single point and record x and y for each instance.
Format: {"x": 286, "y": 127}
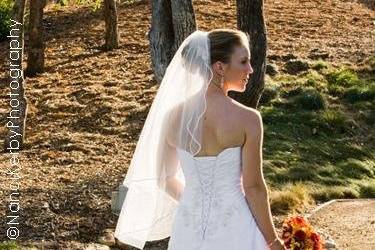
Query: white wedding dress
{"x": 213, "y": 213}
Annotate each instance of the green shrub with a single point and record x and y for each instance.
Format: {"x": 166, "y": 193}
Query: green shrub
{"x": 63, "y": 2}
{"x": 342, "y": 77}
{"x": 335, "y": 90}
{"x": 293, "y": 197}
{"x": 367, "y": 190}
{"x": 302, "y": 172}
{"x": 369, "y": 117}
{"x": 269, "y": 93}
{"x": 316, "y": 80}
{"x": 94, "y": 4}
{"x": 5, "y": 15}
{"x": 335, "y": 119}
{"x": 356, "y": 169}
{"x": 311, "y": 99}
{"x": 292, "y": 92}
{"x": 334, "y": 192}
{"x": 9, "y": 245}
{"x": 357, "y": 94}
{"x": 319, "y": 65}
{"x": 311, "y": 82}
{"x": 370, "y": 62}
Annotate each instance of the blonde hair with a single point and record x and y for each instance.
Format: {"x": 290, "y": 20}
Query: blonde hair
{"x": 223, "y": 42}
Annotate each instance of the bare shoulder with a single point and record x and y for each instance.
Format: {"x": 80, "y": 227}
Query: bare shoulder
{"x": 247, "y": 115}
{"x": 252, "y": 175}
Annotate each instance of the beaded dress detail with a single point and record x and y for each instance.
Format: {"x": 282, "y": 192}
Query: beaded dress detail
{"x": 213, "y": 213}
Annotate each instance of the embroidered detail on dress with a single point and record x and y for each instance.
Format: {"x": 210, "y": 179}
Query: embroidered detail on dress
{"x": 206, "y": 178}
{"x": 209, "y": 206}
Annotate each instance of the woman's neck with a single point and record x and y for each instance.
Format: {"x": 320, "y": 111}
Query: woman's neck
{"x": 214, "y": 89}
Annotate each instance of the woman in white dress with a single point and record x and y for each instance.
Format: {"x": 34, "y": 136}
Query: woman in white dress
{"x": 196, "y": 174}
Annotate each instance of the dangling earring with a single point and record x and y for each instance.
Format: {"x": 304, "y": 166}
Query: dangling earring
{"x": 219, "y": 84}
{"x": 222, "y": 82}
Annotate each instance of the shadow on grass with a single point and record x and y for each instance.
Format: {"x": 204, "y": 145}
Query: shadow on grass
{"x": 306, "y": 147}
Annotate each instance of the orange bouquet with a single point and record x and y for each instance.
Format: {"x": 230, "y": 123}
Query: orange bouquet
{"x": 298, "y": 234}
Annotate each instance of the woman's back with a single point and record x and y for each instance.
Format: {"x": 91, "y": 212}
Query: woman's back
{"x": 223, "y": 125}
{"x": 213, "y": 212}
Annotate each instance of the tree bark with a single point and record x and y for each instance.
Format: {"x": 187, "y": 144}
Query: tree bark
{"x": 172, "y": 22}
{"x": 111, "y": 25}
{"x": 161, "y": 37}
{"x": 184, "y": 23}
{"x": 14, "y": 138}
{"x": 250, "y": 19}
{"x": 35, "y": 55}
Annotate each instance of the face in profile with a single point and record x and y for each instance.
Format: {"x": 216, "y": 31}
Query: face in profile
{"x": 238, "y": 70}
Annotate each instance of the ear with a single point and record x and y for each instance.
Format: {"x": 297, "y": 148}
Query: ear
{"x": 219, "y": 67}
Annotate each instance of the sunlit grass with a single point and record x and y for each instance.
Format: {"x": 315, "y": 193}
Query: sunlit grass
{"x": 320, "y": 65}
{"x": 334, "y": 192}
{"x": 292, "y": 198}
{"x": 316, "y": 131}
{"x": 343, "y": 77}
{"x": 360, "y": 93}
{"x": 9, "y": 245}
{"x": 367, "y": 189}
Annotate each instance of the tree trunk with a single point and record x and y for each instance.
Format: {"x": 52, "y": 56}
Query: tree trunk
{"x": 111, "y": 25}
{"x": 35, "y": 55}
{"x": 171, "y": 23}
{"x": 161, "y": 37}
{"x": 14, "y": 138}
{"x": 183, "y": 21}
{"x": 250, "y": 19}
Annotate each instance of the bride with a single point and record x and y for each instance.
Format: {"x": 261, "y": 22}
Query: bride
{"x": 196, "y": 173}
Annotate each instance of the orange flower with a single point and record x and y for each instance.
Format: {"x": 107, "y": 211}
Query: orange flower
{"x": 299, "y": 221}
{"x": 288, "y": 242}
{"x": 299, "y": 234}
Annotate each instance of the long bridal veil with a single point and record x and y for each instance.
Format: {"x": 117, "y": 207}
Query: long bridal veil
{"x": 174, "y": 121}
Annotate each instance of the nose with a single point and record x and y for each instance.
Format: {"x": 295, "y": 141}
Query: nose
{"x": 250, "y": 69}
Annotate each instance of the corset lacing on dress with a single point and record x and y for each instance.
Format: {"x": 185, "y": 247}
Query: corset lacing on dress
{"x": 205, "y": 174}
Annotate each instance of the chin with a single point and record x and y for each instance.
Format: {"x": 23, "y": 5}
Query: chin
{"x": 240, "y": 89}
{"x": 243, "y": 88}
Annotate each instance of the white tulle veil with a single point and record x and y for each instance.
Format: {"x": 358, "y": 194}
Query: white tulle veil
{"x": 174, "y": 121}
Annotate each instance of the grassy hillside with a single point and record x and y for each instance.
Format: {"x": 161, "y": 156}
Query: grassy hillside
{"x": 319, "y": 134}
